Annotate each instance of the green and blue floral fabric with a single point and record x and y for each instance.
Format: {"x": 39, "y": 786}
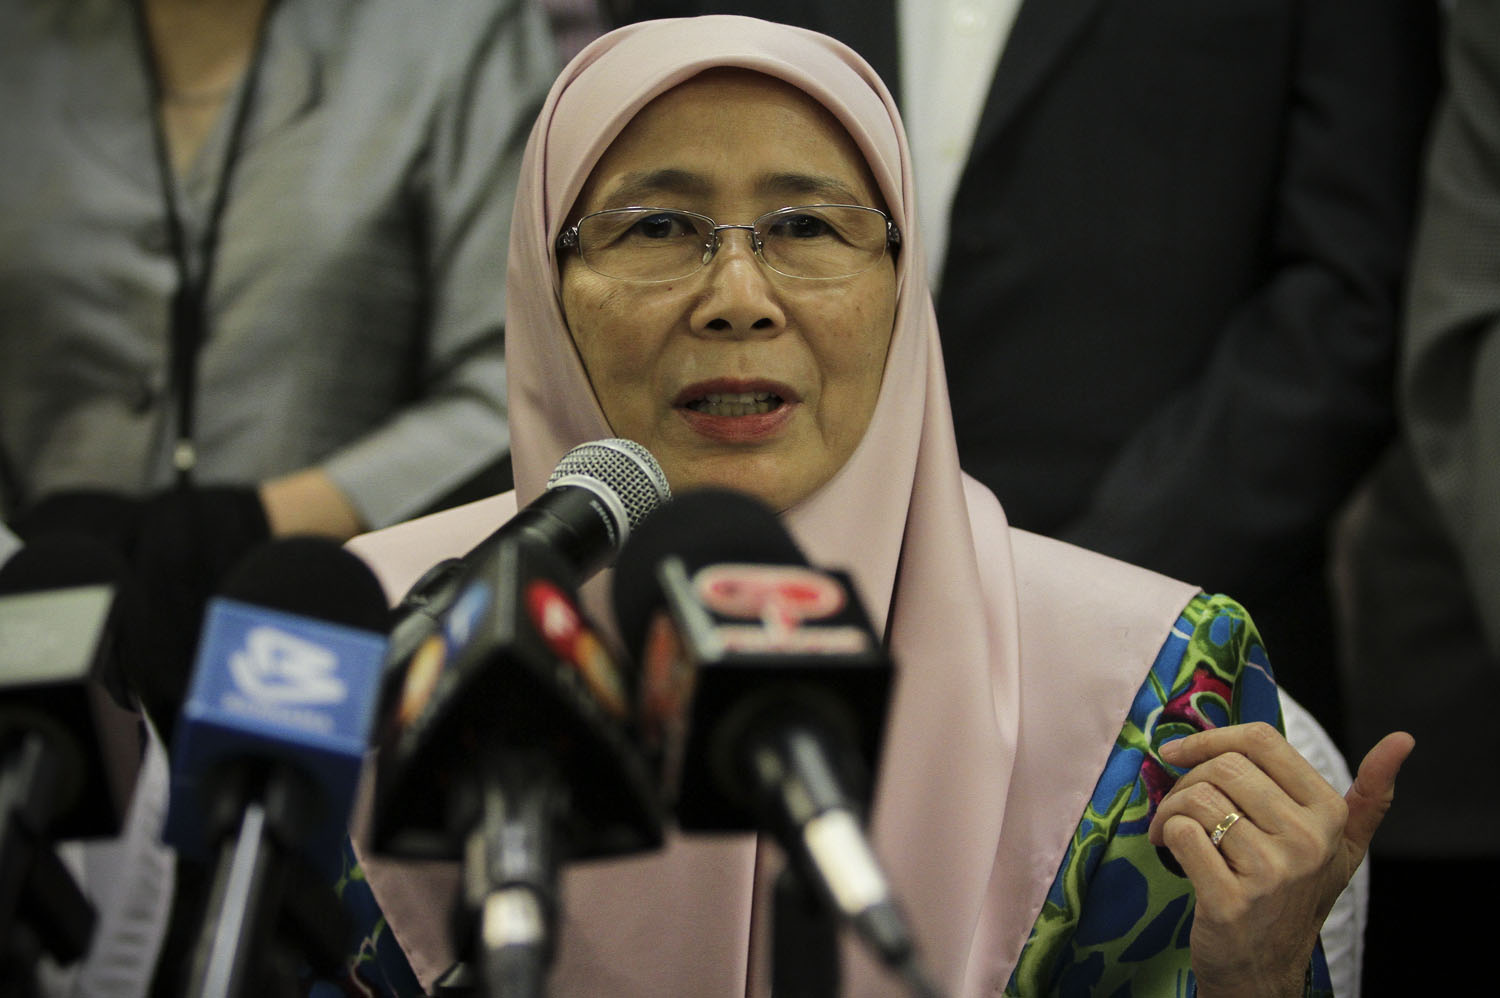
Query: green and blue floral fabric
{"x": 1117, "y": 919}
{"x": 374, "y": 964}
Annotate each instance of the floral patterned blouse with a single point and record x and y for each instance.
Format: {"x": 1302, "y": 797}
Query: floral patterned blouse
{"x": 1117, "y": 919}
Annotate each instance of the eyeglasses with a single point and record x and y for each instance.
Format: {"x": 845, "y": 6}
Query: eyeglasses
{"x": 651, "y": 245}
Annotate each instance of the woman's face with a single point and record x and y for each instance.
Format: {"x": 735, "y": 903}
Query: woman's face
{"x": 734, "y": 376}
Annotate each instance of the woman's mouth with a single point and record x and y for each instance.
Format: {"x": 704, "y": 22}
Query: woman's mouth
{"x": 737, "y": 411}
{"x": 735, "y": 403}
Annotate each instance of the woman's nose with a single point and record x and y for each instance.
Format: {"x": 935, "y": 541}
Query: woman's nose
{"x": 739, "y": 296}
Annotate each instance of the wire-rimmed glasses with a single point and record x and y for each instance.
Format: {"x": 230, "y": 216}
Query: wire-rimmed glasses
{"x": 651, "y": 245}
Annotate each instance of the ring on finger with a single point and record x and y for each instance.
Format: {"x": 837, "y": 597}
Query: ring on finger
{"x": 1223, "y": 827}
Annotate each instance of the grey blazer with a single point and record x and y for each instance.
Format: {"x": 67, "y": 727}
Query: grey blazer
{"x": 357, "y": 304}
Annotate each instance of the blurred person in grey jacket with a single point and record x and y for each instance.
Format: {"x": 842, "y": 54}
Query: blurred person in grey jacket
{"x": 259, "y": 244}
{"x": 252, "y": 283}
{"x": 1420, "y": 554}
{"x": 252, "y": 272}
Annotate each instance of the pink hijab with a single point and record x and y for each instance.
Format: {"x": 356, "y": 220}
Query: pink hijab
{"x": 1015, "y": 671}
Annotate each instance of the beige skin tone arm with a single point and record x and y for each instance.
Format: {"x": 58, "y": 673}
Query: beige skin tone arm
{"x": 308, "y": 502}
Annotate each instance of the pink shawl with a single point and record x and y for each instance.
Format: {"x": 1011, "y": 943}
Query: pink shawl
{"x": 1017, "y": 657}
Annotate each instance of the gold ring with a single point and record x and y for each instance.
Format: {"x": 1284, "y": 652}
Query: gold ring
{"x": 1223, "y": 826}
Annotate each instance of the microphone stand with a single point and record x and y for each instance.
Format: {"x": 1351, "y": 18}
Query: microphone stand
{"x": 257, "y": 883}
{"x": 800, "y": 798}
{"x": 804, "y": 940}
{"x": 510, "y": 871}
{"x": 242, "y": 890}
{"x": 41, "y": 906}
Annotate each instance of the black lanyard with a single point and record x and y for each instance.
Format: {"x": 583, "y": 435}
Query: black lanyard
{"x": 188, "y": 319}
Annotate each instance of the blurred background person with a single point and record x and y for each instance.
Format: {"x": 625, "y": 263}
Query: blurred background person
{"x": 252, "y": 276}
{"x": 260, "y": 245}
{"x": 1167, "y": 241}
{"x": 252, "y": 259}
{"x": 1421, "y": 553}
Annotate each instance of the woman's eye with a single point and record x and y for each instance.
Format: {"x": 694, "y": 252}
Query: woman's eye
{"x": 662, "y": 225}
{"x": 800, "y": 227}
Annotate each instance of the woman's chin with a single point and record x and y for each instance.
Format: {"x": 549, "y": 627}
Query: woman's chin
{"x": 779, "y": 480}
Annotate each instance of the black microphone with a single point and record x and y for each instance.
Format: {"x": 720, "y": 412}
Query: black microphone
{"x": 510, "y": 744}
{"x": 598, "y": 493}
{"x": 186, "y": 542}
{"x": 69, "y": 751}
{"x": 787, "y": 689}
{"x": 594, "y": 498}
{"x": 67, "y": 610}
{"x": 269, "y": 750}
{"x": 180, "y": 544}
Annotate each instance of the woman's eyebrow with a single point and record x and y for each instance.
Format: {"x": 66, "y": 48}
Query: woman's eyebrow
{"x": 643, "y": 186}
{"x": 640, "y": 187}
{"x": 823, "y": 188}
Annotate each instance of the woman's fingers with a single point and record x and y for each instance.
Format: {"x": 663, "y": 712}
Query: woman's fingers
{"x": 1251, "y": 771}
{"x": 1248, "y": 931}
{"x": 1213, "y": 880}
{"x": 1289, "y": 844}
{"x": 1242, "y": 849}
{"x": 1263, "y": 746}
{"x": 1202, "y": 800}
{"x": 1238, "y": 782}
{"x": 1374, "y": 788}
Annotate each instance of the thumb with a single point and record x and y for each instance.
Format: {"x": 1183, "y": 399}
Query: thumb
{"x": 1373, "y": 790}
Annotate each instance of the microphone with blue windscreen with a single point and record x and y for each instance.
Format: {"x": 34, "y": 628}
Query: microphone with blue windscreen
{"x": 269, "y": 748}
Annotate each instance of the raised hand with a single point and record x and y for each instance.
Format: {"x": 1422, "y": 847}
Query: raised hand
{"x": 1287, "y": 844}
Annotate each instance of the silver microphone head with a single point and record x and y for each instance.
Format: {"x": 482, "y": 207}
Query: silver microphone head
{"x": 622, "y": 473}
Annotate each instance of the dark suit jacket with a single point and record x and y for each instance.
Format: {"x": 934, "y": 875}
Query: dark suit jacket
{"x": 1170, "y": 298}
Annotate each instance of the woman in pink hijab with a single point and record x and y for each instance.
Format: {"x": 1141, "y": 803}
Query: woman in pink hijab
{"x": 1030, "y": 801}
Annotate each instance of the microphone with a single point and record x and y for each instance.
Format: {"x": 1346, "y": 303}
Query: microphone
{"x": 270, "y": 744}
{"x": 598, "y": 493}
{"x": 787, "y": 687}
{"x": 66, "y": 609}
{"x": 69, "y": 752}
{"x": 510, "y": 744}
{"x": 180, "y": 544}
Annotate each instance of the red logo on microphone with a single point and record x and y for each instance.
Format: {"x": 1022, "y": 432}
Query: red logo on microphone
{"x": 783, "y": 599}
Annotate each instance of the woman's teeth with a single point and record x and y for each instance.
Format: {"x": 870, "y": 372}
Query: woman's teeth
{"x": 735, "y": 403}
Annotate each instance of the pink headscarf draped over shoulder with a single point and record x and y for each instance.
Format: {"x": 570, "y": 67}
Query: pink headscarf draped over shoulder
{"x": 988, "y": 759}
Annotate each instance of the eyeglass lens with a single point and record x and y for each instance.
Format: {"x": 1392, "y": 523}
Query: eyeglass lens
{"x": 651, "y": 244}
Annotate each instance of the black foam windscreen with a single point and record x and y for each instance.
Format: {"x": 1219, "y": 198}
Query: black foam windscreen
{"x": 701, "y": 527}
{"x": 311, "y": 577}
{"x": 68, "y": 669}
{"x": 67, "y": 560}
{"x": 106, "y": 516}
{"x": 61, "y": 561}
{"x": 187, "y": 542}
